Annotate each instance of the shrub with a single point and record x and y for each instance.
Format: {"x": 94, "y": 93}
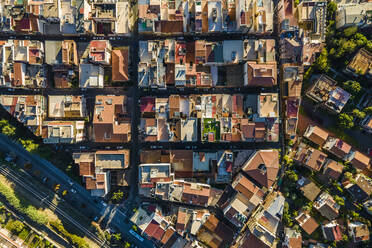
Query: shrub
{"x": 73, "y": 239}
{"x": 339, "y": 200}
{"x": 22, "y": 205}
{"x": 15, "y": 227}
{"x": 345, "y": 121}
{"x": 358, "y": 114}
{"x": 352, "y": 86}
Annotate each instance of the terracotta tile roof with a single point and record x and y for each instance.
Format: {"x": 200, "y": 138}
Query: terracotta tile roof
{"x": 90, "y": 183}
{"x": 361, "y": 161}
{"x": 18, "y": 78}
{"x": 307, "y": 223}
{"x": 341, "y": 148}
{"x": 220, "y": 235}
{"x": 251, "y": 241}
{"x": 195, "y": 194}
{"x": 182, "y": 160}
{"x": 170, "y": 26}
{"x": 263, "y": 166}
{"x": 170, "y": 74}
{"x": 86, "y": 169}
{"x": 261, "y": 74}
{"x": 110, "y": 123}
{"x": 174, "y": 105}
{"x": 312, "y": 158}
{"x": 244, "y": 186}
{"x": 120, "y": 64}
{"x": 333, "y": 169}
{"x": 318, "y": 136}
{"x": 247, "y": 128}
{"x": 167, "y": 235}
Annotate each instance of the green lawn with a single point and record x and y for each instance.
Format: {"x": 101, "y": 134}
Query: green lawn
{"x": 210, "y": 125}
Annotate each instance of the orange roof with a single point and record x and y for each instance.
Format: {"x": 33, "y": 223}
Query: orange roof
{"x": 263, "y": 166}
{"x": 120, "y": 65}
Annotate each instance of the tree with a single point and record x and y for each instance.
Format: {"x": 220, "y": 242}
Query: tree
{"x": 117, "y": 196}
{"x": 29, "y": 145}
{"x": 117, "y": 236}
{"x": 352, "y": 86}
{"x": 345, "y": 121}
{"x": 339, "y": 200}
{"x": 360, "y": 39}
{"x": 15, "y": 227}
{"x": 292, "y": 175}
{"x": 368, "y": 110}
{"x": 350, "y": 31}
{"x": 359, "y": 114}
{"x": 127, "y": 245}
{"x": 8, "y": 130}
{"x": 331, "y": 9}
{"x": 322, "y": 63}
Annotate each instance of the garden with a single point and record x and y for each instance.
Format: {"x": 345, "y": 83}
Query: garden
{"x": 211, "y": 126}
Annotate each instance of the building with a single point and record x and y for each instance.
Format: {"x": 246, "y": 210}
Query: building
{"x": 30, "y": 110}
{"x": 239, "y": 202}
{"x": 66, "y": 106}
{"x": 332, "y": 169}
{"x": 22, "y": 64}
{"x": 268, "y": 105}
{"x": 100, "y": 52}
{"x": 354, "y": 15}
{"x": 361, "y": 64}
{"x": 306, "y": 222}
{"x": 247, "y": 21}
{"x": 263, "y": 166}
{"x": 120, "y": 62}
{"x": 327, "y": 206}
{"x": 91, "y": 76}
{"x": 359, "y": 160}
{"x": 332, "y": 231}
{"x": 316, "y": 135}
{"x": 293, "y": 239}
{"x": 54, "y": 132}
{"x": 111, "y": 120}
{"x": 99, "y": 169}
{"x": 264, "y": 223}
{"x": 308, "y": 188}
{"x": 111, "y": 17}
{"x": 358, "y": 231}
{"x": 360, "y": 188}
{"x": 337, "y": 147}
{"x": 310, "y": 157}
{"x": 366, "y": 124}
{"x": 326, "y": 94}
{"x": 312, "y": 17}
{"x": 215, "y": 233}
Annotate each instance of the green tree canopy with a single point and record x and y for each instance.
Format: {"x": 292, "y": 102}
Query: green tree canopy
{"x": 15, "y": 227}
{"x": 350, "y": 31}
{"x": 352, "y": 86}
{"x": 359, "y": 114}
{"x": 339, "y": 200}
{"x": 322, "y": 63}
{"x": 29, "y": 145}
{"x": 368, "y": 110}
{"x": 345, "y": 121}
{"x": 117, "y": 196}
{"x": 292, "y": 175}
